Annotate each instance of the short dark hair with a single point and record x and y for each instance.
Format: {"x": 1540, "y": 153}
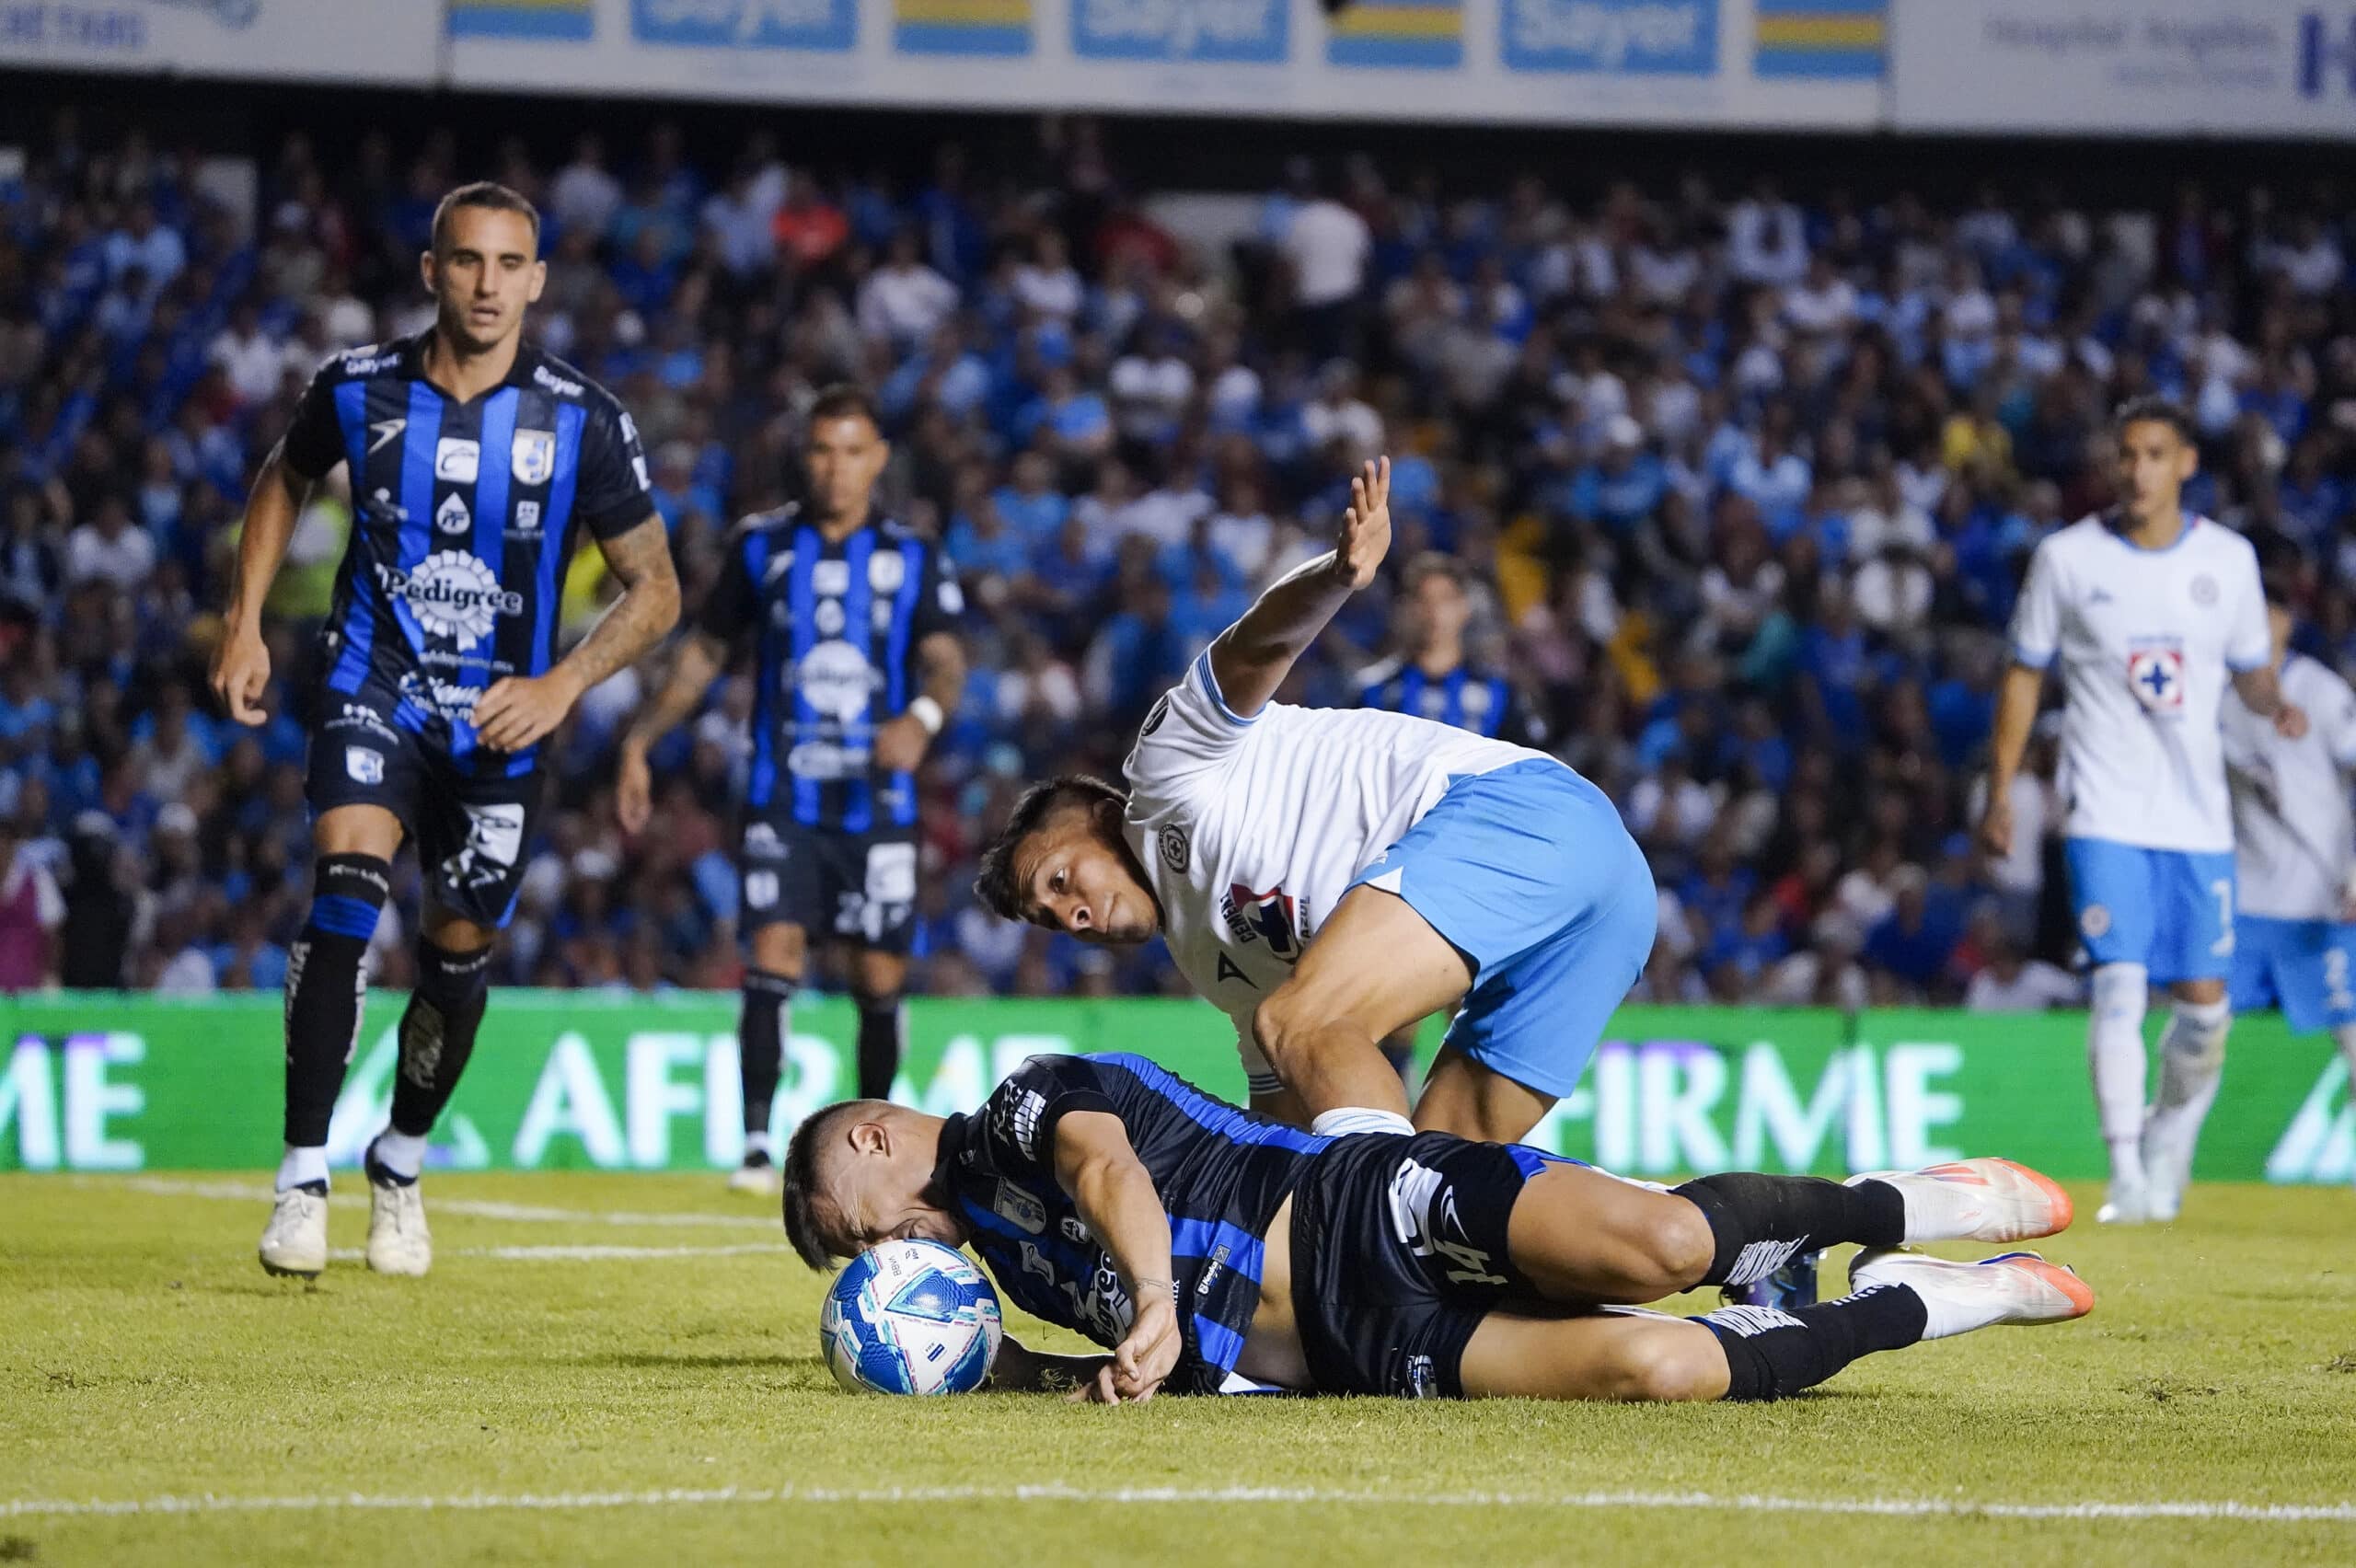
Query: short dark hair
{"x": 2152, "y": 409}
{"x": 799, "y": 1178}
{"x": 1435, "y": 563}
{"x": 487, "y": 194}
{"x": 996, "y": 885}
{"x": 845, "y": 401}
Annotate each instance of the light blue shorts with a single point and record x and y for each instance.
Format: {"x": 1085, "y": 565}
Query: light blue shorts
{"x": 1529, "y": 874}
{"x": 2169, "y": 910}
{"x": 2306, "y": 967}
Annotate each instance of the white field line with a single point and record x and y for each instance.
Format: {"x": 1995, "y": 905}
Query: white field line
{"x": 578, "y": 1254}
{"x": 1894, "y": 1508}
{"x": 472, "y": 1208}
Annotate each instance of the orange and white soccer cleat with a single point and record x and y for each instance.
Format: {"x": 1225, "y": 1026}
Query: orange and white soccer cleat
{"x": 1978, "y": 1200}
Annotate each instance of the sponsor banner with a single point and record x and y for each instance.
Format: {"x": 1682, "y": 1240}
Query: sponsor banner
{"x": 2130, "y": 67}
{"x": 570, "y": 1080}
{"x": 1538, "y": 62}
{"x": 314, "y": 39}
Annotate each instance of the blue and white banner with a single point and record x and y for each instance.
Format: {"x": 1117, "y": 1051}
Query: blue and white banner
{"x": 1788, "y": 63}
{"x": 2127, "y": 67}
{"x": 328, "y": 40}
{"x": 1237, "y": 32}
{"x": 1643, "y": 37}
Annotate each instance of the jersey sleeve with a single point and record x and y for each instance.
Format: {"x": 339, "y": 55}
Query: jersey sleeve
{"x": 939, "y": 601}
{"x": 733, "y": 603}
{"x": 314, "y": 440}
{"x": 1017, "y": 1122}
{"x": 615, "y": 494}
{"x": 2249, "y": 642}
{"x": 1190, "y": 732}
{"x": 2037, "y": 619}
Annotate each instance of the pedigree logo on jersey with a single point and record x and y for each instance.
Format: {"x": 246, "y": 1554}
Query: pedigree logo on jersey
{"x": 2155, "y": 674}
{"x": 1261, "y": 917}
{"x": 452, "y": 595}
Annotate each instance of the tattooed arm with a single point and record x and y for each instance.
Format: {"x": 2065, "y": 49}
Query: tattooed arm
{"x": 520, "y": 709}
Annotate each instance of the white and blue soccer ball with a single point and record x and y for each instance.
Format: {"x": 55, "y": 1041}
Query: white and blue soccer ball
{"x": 910, "y": 1318}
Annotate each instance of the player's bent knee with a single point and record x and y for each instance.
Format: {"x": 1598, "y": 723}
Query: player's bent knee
{"x": 1683, "y": 1247}
{"x": 1669, "y": 1365}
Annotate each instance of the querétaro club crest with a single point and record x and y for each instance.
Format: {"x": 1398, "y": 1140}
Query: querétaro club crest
{"x": 1263, "y": 916}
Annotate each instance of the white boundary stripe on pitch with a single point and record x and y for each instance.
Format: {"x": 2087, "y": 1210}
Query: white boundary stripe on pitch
{"x": 472, "y": 1208}
{"x": 589, "y": 1255}
{"x": 1901, "y": 1507}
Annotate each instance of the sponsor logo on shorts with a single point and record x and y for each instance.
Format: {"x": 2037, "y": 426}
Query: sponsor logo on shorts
{"x": 2095, "y": 921}
{"x": 365, "y": 765}
{"x": 445, "y": 699}
{"x": 494, "y": 839}
{"x": 358, "y": 716}
{"x": 1175, "y": 854}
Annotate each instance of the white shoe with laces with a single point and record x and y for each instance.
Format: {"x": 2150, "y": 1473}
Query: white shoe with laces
{"x": 1978, "y": 1200}
{"x": 398, "y": 1241}
{"x": 295, "y": 1239}
{"x": 2012, "y": 1287}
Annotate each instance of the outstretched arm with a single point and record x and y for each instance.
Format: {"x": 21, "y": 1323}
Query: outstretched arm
{"x": 2015, "y": 715}
{"x": 699, "y": 659}
{"x": 241, "y": 664}
{"x": 520, "y": 709}
{"x": 1116, "y": 1196}
{"x": 1251, "y": 658}
{"x": 2261, "y": 691}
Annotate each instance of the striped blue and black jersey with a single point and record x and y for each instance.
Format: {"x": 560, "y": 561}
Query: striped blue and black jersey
{"x": 464, "y": 518}
{"x": 835, "y": 629}
{"x": 1222, "y": 1174}
{"x": 1464, "y": 697}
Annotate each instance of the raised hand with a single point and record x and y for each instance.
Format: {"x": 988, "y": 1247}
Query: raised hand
{"x": 1366, "y": 526}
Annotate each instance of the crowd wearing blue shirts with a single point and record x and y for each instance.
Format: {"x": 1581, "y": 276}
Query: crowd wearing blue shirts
{"x": 1743, "y": 478}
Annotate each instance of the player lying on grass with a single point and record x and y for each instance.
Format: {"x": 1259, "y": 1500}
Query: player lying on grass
{"x": 1214, "y": 1251}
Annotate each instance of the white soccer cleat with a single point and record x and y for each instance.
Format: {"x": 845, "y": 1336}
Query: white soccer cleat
{"x": 762, "y": 1180}
{"x": 1978, "y": 1200}
{"x": 398, "y": 1241}
{"x": 295, "y": 1239}
{"x": 2168, "y": 1140}
{"x": 2012, "y": 1287}
{"x": 2130, "y": 1204}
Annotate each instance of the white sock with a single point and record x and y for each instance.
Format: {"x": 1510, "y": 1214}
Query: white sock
{"x": 2115, "y": 1053}
{"x": 302, "y": 1166}
{"x": 2192, "y": 1060}
{"x": 400, "y": 1153}
{"x": 1347, "y": 1119}
{"x": 758, "y": 1143}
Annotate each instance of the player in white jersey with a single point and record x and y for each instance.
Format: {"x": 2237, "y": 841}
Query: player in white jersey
{"x": 2294, "y": 855}
{"x": 2151, "y": 612}
{"x": 1326, "y": 876}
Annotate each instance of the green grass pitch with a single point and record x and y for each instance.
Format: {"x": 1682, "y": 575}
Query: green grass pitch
{"x": 612, "y": 1368}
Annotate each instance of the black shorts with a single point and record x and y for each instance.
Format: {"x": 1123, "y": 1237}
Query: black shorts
{"x": 1398, "y": 1252}
{"x": 852, "y": 887}
{"x": 469, "y": 829}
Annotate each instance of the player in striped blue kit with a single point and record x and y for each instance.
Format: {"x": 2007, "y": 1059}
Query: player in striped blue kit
{"x": 1211, "y": 1250}
{"x": 2152, "y": 613}
{"x": 475, "y": 460}
{"x": 851, "y": 620}
{"x": 1433, "y": 677}
{"x": 2294, "y": 863}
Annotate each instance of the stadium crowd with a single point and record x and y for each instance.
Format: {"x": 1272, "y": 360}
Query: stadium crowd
{"x": 1739, "y": 486}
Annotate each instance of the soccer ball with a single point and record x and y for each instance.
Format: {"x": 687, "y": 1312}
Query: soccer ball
{"x": 910, "y": 1318}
